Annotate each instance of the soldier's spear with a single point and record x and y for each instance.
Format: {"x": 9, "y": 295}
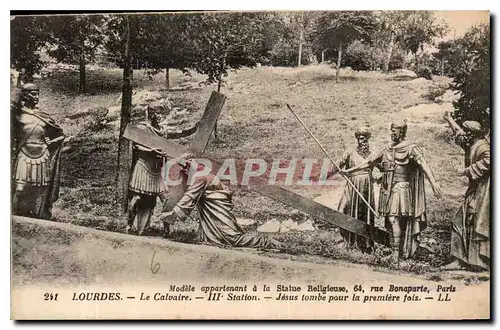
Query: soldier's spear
{"x": 333, "y": 162}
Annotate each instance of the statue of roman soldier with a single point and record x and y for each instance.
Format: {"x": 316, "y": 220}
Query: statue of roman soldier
{"x": 146, "y": 181}
{"x": 36, "y": 157}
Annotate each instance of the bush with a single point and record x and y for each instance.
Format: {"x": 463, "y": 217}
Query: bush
{"x": 361, "y": 56}
{"x": 287, "y": 54}
{"x": 398, "y": 60}
{"x": 435, "y": 91}
{"x": 424, "y": 71}
{"x": 470, "y": 69}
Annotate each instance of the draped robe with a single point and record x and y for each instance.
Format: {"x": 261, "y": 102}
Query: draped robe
{"x": 218, "y": 224}
{"x": 470, "y": 237}
{"x": 352, "y": 204}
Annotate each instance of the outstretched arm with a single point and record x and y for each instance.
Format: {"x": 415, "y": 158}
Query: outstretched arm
{"x": 460, "y": 136}
{"x": 146, "y": 149}
{"x": 181, "y": 133}
{"x": 370, "y": 163}
{"x": 453, "y": 124}
{"x": 430, "y": 176}
{"x": 340, "y": 164}
{"x": 187, "y": 203}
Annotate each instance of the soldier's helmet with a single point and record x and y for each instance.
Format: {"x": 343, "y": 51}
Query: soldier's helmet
{"x": 401, "y": 125}
{"x": 30, "y": 87}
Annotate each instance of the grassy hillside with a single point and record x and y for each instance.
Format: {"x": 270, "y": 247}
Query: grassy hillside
{"x": 256, "y": 124}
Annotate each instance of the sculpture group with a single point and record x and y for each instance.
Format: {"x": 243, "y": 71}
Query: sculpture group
{"x": 402, "y": 172}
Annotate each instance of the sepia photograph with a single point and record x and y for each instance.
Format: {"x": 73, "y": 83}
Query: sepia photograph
{"x": 250, "y": 165}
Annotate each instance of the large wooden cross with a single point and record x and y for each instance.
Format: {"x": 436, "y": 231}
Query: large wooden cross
{"x": 262, "y": 187}
{"x": 198, "y": 145}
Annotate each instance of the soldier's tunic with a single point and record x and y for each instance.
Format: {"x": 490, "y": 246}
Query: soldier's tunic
{"x": 217, "y": 222}
{"x": 470, "y": 238}
{"x": 36, "y": 164}
{"x": 351, "y": 204}
{"x": 146, "y": 182}
{"x": 402, "y": 191}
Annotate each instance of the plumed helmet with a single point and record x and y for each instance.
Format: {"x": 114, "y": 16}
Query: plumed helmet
{"x": 30, "y": 87}
{"x": 402, "y": 125}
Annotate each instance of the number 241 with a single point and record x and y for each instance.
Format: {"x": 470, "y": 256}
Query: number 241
{"x": 50, "y": 296}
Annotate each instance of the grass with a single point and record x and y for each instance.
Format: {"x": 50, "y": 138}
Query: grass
{"x": 256, "y": 124}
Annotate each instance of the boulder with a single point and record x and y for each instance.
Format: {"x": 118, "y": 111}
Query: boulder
{"x": 245, "y": 222}
{"x": 404, "y": 72}
{"x": 288, "y": 225}
{"x": 306, "y": 226}
{"x": 271, "y": 226}
{"x": 448, "y": 97}
{"x": 145, "y": 97}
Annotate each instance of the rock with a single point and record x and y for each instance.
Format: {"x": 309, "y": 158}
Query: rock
{"x": 420, "y": 80}
{"x": 145, "y": 97}
{"x": 284, "y": 229}
{"x": 439, "y": 100}
{"x": 306, "y": 226}
{"x": 271, "y": 226}
{"x": 405, "y": 72}
{"x": 289, "y": 225}
{"x": 427, "y": 109}
{"x": 332, "y": 197}
{"x": 448, "y": 97}
{"x": 180, "y": 114}
{"x": 245, "y": 222}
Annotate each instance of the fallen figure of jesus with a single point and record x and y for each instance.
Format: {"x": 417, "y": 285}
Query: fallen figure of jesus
{"x": 217, "y": 221}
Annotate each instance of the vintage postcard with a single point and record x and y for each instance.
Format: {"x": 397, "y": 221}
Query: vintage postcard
{"x": 328, "y": 165}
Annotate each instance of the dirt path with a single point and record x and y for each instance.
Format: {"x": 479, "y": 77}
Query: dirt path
{"x": 73, "y": 254}
{"x": 57, "y": 255}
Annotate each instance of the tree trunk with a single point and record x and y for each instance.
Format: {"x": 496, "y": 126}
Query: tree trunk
{"x": 123, "y": 148}
{"x": 82, "y": 88}
{"x": 322, "y": 56}
{"x": 167, "y": 78}
{"x": 339, "y": 60}
{"x": 389, "y": 53}
{"x": 416, "y": 63}
{"x": 300, "y": 47}
{"x": 216, "y": 137}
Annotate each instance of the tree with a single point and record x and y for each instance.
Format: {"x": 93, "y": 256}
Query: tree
{"x": 419, "y": 28}
{"x": 76, "y": 39}
{"x": 290, "y": 39}
{"x": 226, "y": 41}
{"x": 29, "y": 35}
{"x": 410, "y": 30}
{"x": 123, "y": 32}
{"x": 390, "y": 28}
{"x": 443, "y": 54}
{"x": 469, "y": 66}
{"x": 165, "y": 51}
{"x": 336, "y": 30}
{"x": 298, "y": 26}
